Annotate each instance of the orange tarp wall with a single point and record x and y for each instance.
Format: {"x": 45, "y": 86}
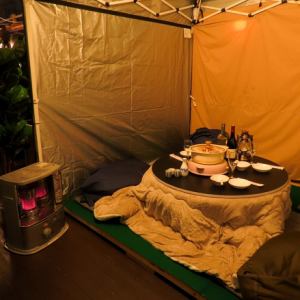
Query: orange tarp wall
{"x": 246, "y": 72}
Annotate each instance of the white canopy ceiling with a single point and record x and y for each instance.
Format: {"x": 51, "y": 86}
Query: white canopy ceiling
{"x": 182, "y": 13}
{"x": 179, "y": 12}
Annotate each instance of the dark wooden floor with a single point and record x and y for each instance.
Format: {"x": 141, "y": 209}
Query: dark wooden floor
{"x": 79, "y": 265}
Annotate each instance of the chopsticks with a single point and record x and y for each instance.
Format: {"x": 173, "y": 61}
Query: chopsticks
{"x": 254, "y": 183}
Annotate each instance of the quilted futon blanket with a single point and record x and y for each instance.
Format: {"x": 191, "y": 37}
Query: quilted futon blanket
{"x": 216, "y": 235}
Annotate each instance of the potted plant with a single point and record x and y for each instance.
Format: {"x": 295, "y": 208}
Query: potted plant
{"x": 16, "y": 125}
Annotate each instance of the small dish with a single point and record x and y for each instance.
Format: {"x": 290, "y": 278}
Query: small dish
{"x": 183, "y": 153}
{"x": 243, "y": 165}
{"x": 260, "y": 167}
{"x": 239, "y": 183}
{"x": 219, "y": 179}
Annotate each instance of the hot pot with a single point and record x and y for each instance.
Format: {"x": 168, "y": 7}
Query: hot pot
{"x": 208, "y": 153}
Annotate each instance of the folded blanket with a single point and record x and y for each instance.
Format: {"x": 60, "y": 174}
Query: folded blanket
{"x": 176, "y": 223}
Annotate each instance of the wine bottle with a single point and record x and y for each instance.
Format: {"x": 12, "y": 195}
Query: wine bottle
{"x": 222, "y": 137}
{"x": 232, "y": 144}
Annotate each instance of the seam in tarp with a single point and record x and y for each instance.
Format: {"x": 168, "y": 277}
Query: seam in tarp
{"x": 112, "y": 12}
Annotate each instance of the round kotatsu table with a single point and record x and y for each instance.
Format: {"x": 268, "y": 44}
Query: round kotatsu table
{"x": 265, "y": 207}
{"x": 272, "y": 180}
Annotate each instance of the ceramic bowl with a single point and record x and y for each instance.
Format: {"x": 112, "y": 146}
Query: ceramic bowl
{"x": 259, "y": 167}
{"x": 219, "y": 179}
{"x": 242, "y": 165}
{"x": 239, "y": 183}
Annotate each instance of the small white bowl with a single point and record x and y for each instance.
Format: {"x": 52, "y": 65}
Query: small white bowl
{"x": 260, "y": 167}
{"x": 219, "y": 179}
{"x": 183, "y": 153}
{"x": 242, "y": 165}
{"x": 239, "y": 183}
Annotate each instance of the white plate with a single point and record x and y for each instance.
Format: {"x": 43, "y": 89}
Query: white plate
{"x": 259, "y": 167}
{"x": 239, "y": 183}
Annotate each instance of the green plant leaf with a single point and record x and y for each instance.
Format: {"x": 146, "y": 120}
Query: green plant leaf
{"x": 7, "y": 55}
{"x": 2, "y": 131}
{"x": 17, "y": 93}
{"x": 19, "y": 126}
{"x": 15, "y": 101}
{"x": 27, "y": 130}
{"x": 3, "y": 98}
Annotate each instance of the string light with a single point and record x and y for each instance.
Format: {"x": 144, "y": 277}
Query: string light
{"x": 11, "y": 42}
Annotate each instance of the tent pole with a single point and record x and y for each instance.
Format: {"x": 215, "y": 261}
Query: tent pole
{"x": 36, "y": 121}
{"x": 167, "y": 12}
{"x": 211, "y": 15}
{"x": 33, "y": 81}
{"x": 235, "y": 4}
{"x": 196, "y": 11}
{"x": 186, "y": 7}
{"x": 237, "y": 12}
{"x": 146, "y": 8}
{"x": 265, "y": 8}
{"x": 120, "y": 2}
{"x": 185, "y": 16}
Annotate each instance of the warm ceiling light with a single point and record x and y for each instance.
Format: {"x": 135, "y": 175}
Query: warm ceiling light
{"x": 240, "y": 25}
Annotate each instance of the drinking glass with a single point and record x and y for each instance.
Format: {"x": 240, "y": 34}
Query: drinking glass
{"x": 252, "y": 154}
{"x": 187, "y": 143}
{"x": 232, "y": 163}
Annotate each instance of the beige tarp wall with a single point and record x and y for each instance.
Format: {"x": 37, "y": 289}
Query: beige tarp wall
{"x": 108, "y": 87}
{"x": 246, "y": 72}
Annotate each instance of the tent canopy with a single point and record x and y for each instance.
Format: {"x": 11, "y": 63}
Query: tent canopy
{"x": 113, "y": 79}
{"x": 172, "y": 12}
{"x": 183, "y": 13}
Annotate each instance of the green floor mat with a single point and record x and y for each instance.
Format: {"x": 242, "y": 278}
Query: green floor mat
{"x": 200, "y": 283}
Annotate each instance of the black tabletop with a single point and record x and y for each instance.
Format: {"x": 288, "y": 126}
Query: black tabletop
{"x": 272, "y": 180}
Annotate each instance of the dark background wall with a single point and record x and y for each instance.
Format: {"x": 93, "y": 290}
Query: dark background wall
{"x": 8, "y": 7}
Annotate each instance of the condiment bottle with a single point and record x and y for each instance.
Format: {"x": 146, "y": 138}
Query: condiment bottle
{"x": 222, "y": 137}
{"x": 184, "y": 169}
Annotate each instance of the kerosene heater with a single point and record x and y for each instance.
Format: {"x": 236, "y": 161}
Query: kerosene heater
{"x": 33, "y": 214}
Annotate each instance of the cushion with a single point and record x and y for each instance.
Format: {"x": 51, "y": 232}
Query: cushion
{"x": 114, "y": 176}
{"x": 273, "y": 272}
{"x": 203, "y": 134}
